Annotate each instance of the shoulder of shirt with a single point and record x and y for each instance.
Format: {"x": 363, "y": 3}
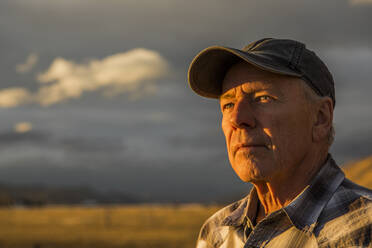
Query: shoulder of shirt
{"x": 210, "y": 231}
{"x": 349, "y": 194}
{"x": 347, "y": 217}
{"x": 356, "y": 190}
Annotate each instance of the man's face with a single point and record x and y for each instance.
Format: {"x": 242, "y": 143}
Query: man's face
{"x": 267, "y": 122}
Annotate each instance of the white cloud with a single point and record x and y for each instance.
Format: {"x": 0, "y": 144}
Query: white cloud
{"x": 27, "y": 66}
{"x": 128, "y": 72}
{"x": 12, "y": 97}
{"x": 22, "y": 127}
{"x": 360, "y": 2}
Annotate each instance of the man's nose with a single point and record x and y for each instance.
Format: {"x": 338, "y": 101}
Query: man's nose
{"x": 242, "y": 115}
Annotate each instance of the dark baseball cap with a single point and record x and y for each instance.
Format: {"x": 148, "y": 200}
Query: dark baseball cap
{"x": 282, "y": 56}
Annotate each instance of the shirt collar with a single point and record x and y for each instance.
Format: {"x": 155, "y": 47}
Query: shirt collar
{"x": 247, "y": 208}
{"x": 305, "y": 209}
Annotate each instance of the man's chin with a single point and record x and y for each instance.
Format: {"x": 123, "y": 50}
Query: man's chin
{"x": 250, "y": 176}
{"x": 252, "y": 171}
{"x": 252, "y": 179}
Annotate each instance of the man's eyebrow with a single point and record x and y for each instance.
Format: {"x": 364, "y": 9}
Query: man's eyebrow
{"x": 227, "y": 96}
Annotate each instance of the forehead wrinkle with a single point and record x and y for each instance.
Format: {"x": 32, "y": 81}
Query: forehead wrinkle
{"x": 248, "y": 88}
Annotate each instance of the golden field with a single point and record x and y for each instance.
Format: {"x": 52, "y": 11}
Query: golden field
{"x": 158, "y": 226}
{"x": 360, "y": 171}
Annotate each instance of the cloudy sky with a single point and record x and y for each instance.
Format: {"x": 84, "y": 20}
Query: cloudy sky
{"x": 94, "y": 92}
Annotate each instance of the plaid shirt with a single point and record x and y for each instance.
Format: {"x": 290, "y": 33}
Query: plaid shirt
{"x": 330, "y": 212}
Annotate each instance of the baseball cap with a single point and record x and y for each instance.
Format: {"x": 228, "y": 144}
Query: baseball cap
{"x": 282, "y": 56}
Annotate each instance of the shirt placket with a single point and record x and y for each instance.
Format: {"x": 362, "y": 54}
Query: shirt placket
{"x": 262, "y": 233}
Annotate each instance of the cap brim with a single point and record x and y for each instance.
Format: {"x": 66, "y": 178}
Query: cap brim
{"x": 209, "y": 67}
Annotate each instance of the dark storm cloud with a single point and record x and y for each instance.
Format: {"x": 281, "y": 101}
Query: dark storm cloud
{"x": 66, "y": 144}
{"x": 178, "y": 28}
{"x": 359, "y": 145}
{"x": 13, "y": 138}
{"x": 92, "y": 145}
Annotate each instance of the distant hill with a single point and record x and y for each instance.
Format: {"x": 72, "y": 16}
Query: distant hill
{"x": 39, "y": 195}
{"x": 360, "y": 171}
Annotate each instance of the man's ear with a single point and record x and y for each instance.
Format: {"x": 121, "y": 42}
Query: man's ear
{"x": 323, "y": 119}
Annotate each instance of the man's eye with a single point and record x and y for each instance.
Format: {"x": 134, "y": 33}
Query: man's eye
{"x": 228, "y": 106}
{"x": 264, "y": 98}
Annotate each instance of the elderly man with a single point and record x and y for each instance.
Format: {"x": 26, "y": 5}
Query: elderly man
{"x": 277, "y": 100}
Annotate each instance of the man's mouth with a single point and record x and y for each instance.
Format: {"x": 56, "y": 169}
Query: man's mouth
{"x": 248, "y": 147}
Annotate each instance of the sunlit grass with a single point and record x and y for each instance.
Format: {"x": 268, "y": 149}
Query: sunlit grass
{"x": 116, "y": 226}
{"x": 360, "y": 171}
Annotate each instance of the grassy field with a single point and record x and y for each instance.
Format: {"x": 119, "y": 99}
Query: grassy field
{"x": 116, "y": 226}
{"x": 360, "y": 171}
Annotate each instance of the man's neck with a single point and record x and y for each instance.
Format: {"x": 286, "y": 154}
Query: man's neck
{"x": 280, "y": 191}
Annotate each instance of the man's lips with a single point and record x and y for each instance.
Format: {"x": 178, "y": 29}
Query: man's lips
{"x": 248, "y": 146}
